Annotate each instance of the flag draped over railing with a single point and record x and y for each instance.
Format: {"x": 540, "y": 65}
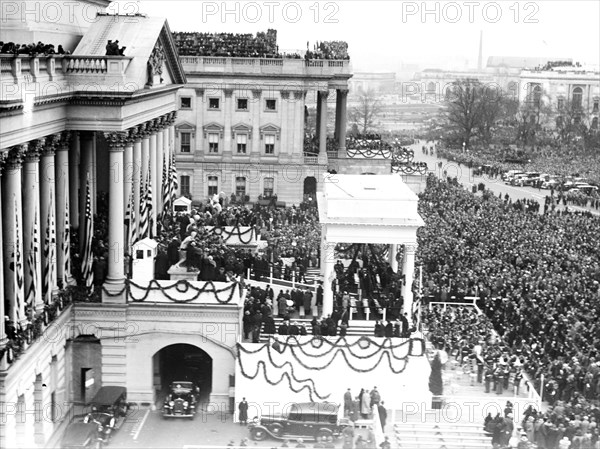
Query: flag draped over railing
{"x": 18, "y": 267}
{"x": 87, "y": 264}
{"x": 32, "y": 259}
{"x": 66, "y": 243}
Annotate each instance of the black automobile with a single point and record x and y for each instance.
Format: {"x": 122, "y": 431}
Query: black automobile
{"x": 182, "y": 400}
{"x": 309, "y": 420}
{"x": 81, "y": 436}
{"x": 108, "y": 411}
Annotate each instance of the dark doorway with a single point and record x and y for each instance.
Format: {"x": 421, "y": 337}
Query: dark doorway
{"x": 182, "y": 362}
{"x": 310, "y": 185}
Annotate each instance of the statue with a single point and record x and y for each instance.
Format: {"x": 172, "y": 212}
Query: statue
{"x": 155, "y": 63}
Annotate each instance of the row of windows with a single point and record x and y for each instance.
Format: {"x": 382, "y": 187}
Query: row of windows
{"x": 240, "y": 186}
{"x": 214, "y": 141}
{"x": 576, "y": 100}
{"x": 214, "y": 104}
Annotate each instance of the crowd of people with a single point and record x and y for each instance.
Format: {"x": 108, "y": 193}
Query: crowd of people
{"x": 538, "y": 279}
{"x": 33, "y": 49}
{"x": 261, "y": 45}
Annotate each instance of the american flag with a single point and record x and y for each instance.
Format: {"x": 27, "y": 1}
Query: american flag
{"x": 66, "y": 243}
{"x": 87, "y": 260}
{"x": 18, "y": 267}
{"x": 130, "y": 222}
{"x": 165, "y": 188}
{"x": 173, "y": 182}
{"x": 49, "y": 257}
{"x": 143, "y": 224}
{"x": 32, "y": 259}
{"x": 149, "y": 203}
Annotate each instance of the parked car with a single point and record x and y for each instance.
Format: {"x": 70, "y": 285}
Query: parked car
{"x": 309, "y": 420}
{"x": 510, "y": 175}
{"x": 181, "y": 402}
{"x": 529, "y": 179}
{"x": 108, "y": 410}
{"x": 105, "y": 424}
{"x": 550, "y": 184}
{"x": 80, "y": 435}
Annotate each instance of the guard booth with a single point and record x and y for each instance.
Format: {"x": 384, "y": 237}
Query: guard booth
{"x": 142, "y": 266}
{"x": 182, "y": 204}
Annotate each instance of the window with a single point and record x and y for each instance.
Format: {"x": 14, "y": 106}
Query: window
{"x": 185, "y": 103}
{"x": 186, "y": 142}
{"x": 184, "y": 185}
{"x": 240, "y": 186}
{"x": 537, "y": 96}
{"x": 213, "y": 103}
{"x": 271, "y": 105}
{"x": 561, "y": 103}
{"x": 577, "y": 97}
{"x": 268, "y": 188}
{"x": 596, "y": 106}
{"x": 242, "y": 140}
{"x": 213, "y": 143}
{"x": 242, "y": 104}
{"x": 213, "y": 186}
{"x": 269, "y": 144}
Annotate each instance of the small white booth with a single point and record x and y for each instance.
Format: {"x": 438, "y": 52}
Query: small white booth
{"x": 182, "y": 204}
{"x": 142, "y": 265}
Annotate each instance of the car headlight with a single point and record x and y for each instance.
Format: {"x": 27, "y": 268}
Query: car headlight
{"x": 172, "y": 403}
{"x": 185, "y": 403}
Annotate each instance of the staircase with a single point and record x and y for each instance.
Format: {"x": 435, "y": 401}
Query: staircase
{"x": 355, "y": 327}
{"x": 433, "y": 430}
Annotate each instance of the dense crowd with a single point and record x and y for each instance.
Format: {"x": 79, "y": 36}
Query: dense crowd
{"x": 32, "y": 49}
{"x": 263, "y": 45}
{"x": 537, "y": 275}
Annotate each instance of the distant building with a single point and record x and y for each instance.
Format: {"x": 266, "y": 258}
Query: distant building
{"x": 371, "y": 81}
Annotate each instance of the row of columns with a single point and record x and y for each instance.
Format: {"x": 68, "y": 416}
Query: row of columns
{"x": 341, "y": 121}
{"x": 327, "y": 271}
{"x": 44, "y": 180}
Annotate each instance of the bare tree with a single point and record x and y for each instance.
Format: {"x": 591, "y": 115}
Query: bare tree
{"x": 464, "y": 103}
{"x": 364, "y": 115}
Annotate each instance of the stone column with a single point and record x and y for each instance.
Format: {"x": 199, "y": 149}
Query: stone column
{"x": 136, "y": 134}
{"x": 145, "y": 154}
{"x": 153, "y": 177}
{"x": 3, "y": 240}
{"x": 338, "y": 99}
{"x": 323, "y": 121}
{"x": 61, "y": 185}
{"x": 31, "y": 220}
{"x": 408, "y": 269}
{"x": 13, "y": 232}
{"x": 128, "y": 168}
{"x": 392, "y": 257}
{"x": 48, "y": 213}
{"x": 229, "y": 144}
{"x": 116, "y": 228}
{"x": 343, "y": 122}
{"x": 86, "y": 169}
{"x": 28, "y": 418}
{"x": 172, "y": 139}
{"x": 74, "y": 165}
{"x": 327, "y": 255}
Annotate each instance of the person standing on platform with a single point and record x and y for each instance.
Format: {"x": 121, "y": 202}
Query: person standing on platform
{"x": 347, "y": 402}
{"x": 382, "y": 415}
{"x": 365, "y": 409}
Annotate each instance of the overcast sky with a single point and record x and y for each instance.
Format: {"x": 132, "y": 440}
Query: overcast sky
{"x": 383, "y": 34}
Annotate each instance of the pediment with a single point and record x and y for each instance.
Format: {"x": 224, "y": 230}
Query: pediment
{"x": 185, "y": 126}
{"x": 213, "y": 128}
{"x": 270, "y": 128}
{"x": 241, "y": 128}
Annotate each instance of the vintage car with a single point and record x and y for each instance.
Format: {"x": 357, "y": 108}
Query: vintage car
{"x": 181, "y": 401}
{"x": 80, "y": 436}
{"x": 108, "y": 410}
{"x": 309, "y": 420}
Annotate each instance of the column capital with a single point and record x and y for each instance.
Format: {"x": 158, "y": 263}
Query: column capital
{"x": 228, "y": 92}
{"x": 144, "y": 130}
{"x": 300, "y": 94}
{"x": 170, "y": 119}
{"x": 134, "y": 134}
{"x": 34, "y": 150}
{"x": 343, "y": 91}
{"x": 410, "y": 248}
{"x": 65, "y": 140}
{"x": 52, "y": 142}
{"x": 256, "y": 93}
{"x": 3, "y": 157}
{"x": 324, "y": 94}
{"x": 15, "y": 156}
{"x": 285, "y": 94}
{"x": 116, "y": 140}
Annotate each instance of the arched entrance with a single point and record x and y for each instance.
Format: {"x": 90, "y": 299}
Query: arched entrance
{"x": 182, "y": 362}
{"x": 310, "y": 186}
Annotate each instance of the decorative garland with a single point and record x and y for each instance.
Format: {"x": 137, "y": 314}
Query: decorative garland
{"x": 236, "y": 231}
{"x": 421, "y": 168}
{"x": 311, "y": 389}
{"x": 182, "y": 286}
{"x": 369, "y": 153}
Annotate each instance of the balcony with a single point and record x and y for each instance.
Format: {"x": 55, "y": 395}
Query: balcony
{"x": 265, "y": 66}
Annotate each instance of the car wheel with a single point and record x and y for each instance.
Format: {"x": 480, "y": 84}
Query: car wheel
{"x": 323, "y": 433}
{"x": 276, "y": 429}
{"x": 258, "y": 434}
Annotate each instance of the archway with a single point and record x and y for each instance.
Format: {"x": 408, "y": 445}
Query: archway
{"x": 182, "y": 362}
{"x": 310, "y": 185}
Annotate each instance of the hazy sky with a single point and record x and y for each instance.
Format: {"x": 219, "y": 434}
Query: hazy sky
{"x": 383, "y": 34}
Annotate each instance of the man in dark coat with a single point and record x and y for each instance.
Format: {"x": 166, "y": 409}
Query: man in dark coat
{"x": 173, "y": 251}
{"x": 161, "y": 264}
{"x": 243, "y": 412}
{"x": 283, "y": 328}
{"x": 389, "y": 330}
{"x": 382, "y": 414}
{"x": 293, "y": 329}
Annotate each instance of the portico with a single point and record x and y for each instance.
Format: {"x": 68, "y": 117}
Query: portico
{"x": 368, "y": 209}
